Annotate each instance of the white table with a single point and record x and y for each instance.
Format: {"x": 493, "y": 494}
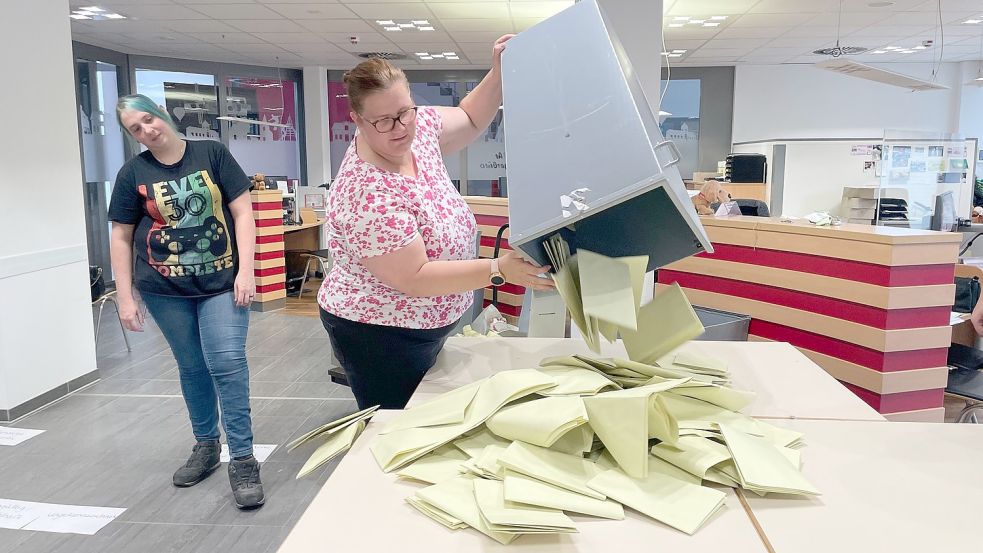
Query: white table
{"x": 899, "y": 487}
{"x": 787, "y": 383}
{"x": 360, "y": 508}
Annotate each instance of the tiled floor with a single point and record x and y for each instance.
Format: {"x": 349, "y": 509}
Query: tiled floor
{"x": 116, "y": 443}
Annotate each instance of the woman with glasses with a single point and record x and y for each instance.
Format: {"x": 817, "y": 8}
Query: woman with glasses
{"x": 402, "y": 238}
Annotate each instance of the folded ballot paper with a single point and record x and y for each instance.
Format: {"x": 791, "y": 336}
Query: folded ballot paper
{"x": 518, "y": 452}
{"x": 338, "y": 435}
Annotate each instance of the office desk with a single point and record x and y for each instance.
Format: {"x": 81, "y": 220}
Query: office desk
{"x": 303, "y": 237}
{"x": 787, "y": 383}
{"x": 870, "y": 305}
{"x": 886, "y": 487}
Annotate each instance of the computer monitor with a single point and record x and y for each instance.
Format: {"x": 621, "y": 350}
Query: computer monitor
{"x": 944, "y": 216}
{"x": 276, "y": 183}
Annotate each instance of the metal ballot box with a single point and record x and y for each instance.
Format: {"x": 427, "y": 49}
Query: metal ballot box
{"x": 584, "y": 152}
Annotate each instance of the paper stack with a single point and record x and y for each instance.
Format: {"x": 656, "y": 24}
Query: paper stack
{"x": 340, "y": 435}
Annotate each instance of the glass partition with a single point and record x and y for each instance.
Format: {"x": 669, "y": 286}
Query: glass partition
{"x": 191, "y": 99}
{"x": 261, "y": 115}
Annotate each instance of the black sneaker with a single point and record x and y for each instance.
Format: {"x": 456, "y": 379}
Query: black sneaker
{"x": 246, "y": 486}
{"x": 203, "y": 461}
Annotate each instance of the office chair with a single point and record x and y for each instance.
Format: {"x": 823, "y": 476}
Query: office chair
{"x": 322, "y": 258}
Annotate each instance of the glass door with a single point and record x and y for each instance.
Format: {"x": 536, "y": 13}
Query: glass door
{"x": 103, "y": 151}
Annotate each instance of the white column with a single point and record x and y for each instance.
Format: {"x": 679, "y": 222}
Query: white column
{"x": 317, "y": 130}
{"x": 46, "y": 337}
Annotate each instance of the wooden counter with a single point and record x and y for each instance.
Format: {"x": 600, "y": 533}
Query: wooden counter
{"x": 271, "y": 292}
{"x": 868, "y": 304}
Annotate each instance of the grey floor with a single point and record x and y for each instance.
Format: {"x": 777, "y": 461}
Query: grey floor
{"x": 116, "y": 443}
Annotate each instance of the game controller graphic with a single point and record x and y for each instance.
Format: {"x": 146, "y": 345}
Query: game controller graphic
{"x": 210, "y": 237}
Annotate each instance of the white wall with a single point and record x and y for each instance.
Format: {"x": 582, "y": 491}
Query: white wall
{"x": 971, "y": 107}
{"x": 800, "y": 101}
{"x": 46, "y": 334}
{"x": 316, "y": 128}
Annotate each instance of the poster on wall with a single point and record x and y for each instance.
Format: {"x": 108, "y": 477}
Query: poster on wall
{"x": 194, "y": 109}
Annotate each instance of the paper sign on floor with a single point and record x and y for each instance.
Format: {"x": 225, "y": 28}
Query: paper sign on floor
{"x": 260, "y": 451}
{"x": 50, "y": 517}
{"x": 15, "y": 515}
{"x": 74, "y": 519}
{"x": 14, "y": 436}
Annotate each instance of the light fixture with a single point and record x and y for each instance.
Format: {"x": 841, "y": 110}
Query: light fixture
{"x": 708, "y": 24}
{"x": 674, "y": 25}
{"x": 681, "y": 18}
{"x": 427, "y": 56}
{"x": 674, "y": 56}
{"x": 718, "y": 17}
{"x": 853, "y": 69}
{"x": 393, "y": 25}
{"x": 878, "y": 52}
{"x": 94, "y": 13}
{"x": 973, "y": 21}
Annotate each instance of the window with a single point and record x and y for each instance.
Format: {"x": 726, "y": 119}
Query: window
{"x": 270, "y": 145}
{"x": 191, "y": 99}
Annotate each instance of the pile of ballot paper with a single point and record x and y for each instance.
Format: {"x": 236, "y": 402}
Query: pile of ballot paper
{"x": 519, "y": 452}
{"x": 603, "y": 295}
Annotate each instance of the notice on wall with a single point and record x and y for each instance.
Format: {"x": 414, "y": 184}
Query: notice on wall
{"x": 260, "y": 451}
{"x": 51, "y": 517}
{"x": 14, "y": 436}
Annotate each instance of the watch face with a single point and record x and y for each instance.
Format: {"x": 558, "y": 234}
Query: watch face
{"x": 497, "y": 280}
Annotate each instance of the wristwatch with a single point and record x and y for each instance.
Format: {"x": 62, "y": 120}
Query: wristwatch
{"x": 497, "y": 278}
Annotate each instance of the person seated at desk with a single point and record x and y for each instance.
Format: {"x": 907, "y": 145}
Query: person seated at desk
{"x": 710, "y": 193}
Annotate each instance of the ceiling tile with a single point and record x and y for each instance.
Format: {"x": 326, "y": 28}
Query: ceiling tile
{"x": 711, "y": 7}
{"x": 395, "y": 10}
{"x": 263, "y": 48}
{"x": 488, "y": 37}
{"x": 744, "y": 43}
{"x": 771, "y": 20}
{"x": 320, "y": 49}
{"x": 847, "y": 19}
{"x": 197, "y": 26}
{"x": 153, "y": 11}
{"x": 237, "y": 11}
{"x": 795, "y": 6}
{"x": 682, "y": 44}
{"x": 718, "y": 52}
{"x": 486, "y": 25}
{"x": 292, "y": 38}
{"x": 897, "y": 30}
{"x": 797, "y": 42}
{"x": 337, "y": 25}
{"x": 229, "y": 38}
{"x": 259, "y": 27}
{"x": 470, "y": 10}
{"x": 162, "y": 38}
{"x": 313, "y": 11}
{"x": 125, "y": 26}
{"x": 538, "y": 9}
{"x": 192, "y": 3}
{"x": 748, "y": 32}
{"x": 345, "y": 37}
{"x": 411, "y": 38}
{"x": 370, "y": 47}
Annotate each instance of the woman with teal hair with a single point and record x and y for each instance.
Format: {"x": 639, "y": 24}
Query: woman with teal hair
{"x": 184, "y": 236}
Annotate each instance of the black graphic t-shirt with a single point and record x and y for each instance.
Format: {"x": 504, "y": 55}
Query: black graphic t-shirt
{"x": 184, "y": 238}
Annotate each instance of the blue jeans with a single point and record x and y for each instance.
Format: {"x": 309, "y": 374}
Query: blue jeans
{"x": 208, "y": 338}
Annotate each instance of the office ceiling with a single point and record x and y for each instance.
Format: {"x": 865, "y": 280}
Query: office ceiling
{"x": 294, "y": 33}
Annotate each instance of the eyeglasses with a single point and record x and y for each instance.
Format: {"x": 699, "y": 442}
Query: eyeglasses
{"x": 387, "y": 124}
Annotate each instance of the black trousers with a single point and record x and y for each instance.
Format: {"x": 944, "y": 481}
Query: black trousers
{"x": 384, "y": 364}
